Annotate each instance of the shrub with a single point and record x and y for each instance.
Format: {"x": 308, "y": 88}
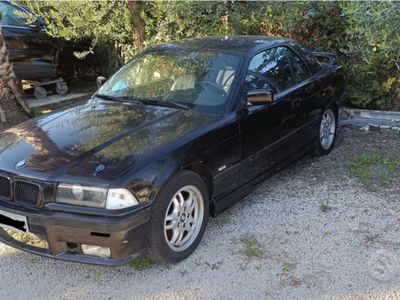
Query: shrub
{"x": 364, "y": 35}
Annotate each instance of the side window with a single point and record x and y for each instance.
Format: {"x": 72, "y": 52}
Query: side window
{"x": 270, "y": 68}
{"x": 13, "y": 16}
{"x": 277, "y": 68}
{"x": 299, "y": 69}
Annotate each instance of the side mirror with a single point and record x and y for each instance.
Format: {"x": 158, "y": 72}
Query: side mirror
{"x": 325, "y": 57}
{"x": 100, "y": 81}
{"x": 260, "y": 97}
{"x": 37, "y": 25}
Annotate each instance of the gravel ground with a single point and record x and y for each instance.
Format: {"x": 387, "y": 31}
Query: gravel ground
{"x": 311, "y": 231}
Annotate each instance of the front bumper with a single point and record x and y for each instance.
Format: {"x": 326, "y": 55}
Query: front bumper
{"x": 64, "y": 232}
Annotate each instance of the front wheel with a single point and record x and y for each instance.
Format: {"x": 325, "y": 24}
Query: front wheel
{"x": 326, "y": 132}
{"x": 179, "y": 217}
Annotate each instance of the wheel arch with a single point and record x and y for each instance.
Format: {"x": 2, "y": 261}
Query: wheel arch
{"x": 199, "y": 169}
{"x": 204, "y": 172}
{"x": 335, "y": 107}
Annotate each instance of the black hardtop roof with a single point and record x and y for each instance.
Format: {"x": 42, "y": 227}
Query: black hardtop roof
{"x": 236, "y": 43}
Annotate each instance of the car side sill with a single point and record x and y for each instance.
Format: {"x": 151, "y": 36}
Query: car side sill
{"x": 222, "y": 203}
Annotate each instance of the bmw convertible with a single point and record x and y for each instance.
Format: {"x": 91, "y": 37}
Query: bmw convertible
{"x": 178, "y": 134}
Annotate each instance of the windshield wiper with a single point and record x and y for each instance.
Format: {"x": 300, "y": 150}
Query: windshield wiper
{"x": 106, "y": 97}
{"x": 146, "y": 102}
{"x": 164, "y": 103}
{"x": 116, "y": 98}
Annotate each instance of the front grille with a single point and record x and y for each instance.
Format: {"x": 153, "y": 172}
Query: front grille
{"x": 5, "y": 187}
{"x": 27, "y": 192}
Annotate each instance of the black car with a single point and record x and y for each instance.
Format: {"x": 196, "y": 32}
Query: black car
{"x": 30, "y": 47}
{"x": 181, "y": 132}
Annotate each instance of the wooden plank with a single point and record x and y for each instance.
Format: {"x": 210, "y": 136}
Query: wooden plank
{"x": 55, "y": 99}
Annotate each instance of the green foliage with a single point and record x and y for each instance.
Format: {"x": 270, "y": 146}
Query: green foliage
{"x": 372, "y": 55}
{"x": 252, "y": 247}
{"x": 287, "y": 269}
{"x": 214, "y": 266}
{"x": 324, "y": 207}
{"x": 106, "y": 24}
{"x": 364, "y": 35}
{"x": 142, "y": 263}
{"x": 36, "y": 112}
{"x": 374, "y": 169}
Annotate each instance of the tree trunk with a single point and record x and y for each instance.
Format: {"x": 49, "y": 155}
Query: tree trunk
{"x": 138, "y": 25}
{"x": 12, "y": 98}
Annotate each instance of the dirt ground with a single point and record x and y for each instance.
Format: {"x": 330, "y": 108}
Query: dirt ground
{"x": 324, "y": 228}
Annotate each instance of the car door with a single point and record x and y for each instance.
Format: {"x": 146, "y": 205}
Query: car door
{"x": 309, "y": 88}
{"x": 268, "y": 132}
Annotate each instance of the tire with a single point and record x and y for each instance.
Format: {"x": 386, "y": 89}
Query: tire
{"x": 168, "y": 218}
{"x": 61, "y": 88}
{"x": 39, "y": 92}
{"x": 326, "y": 132}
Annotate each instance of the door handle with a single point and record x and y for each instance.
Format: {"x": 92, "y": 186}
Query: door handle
{"x": 296, "y": 103}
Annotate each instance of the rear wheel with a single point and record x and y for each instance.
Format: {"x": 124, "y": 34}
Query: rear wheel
{"x": 179, "y": 217}
{"x": 61, "y": 88}
{"x": 326, "y": 132}
{"x": 39, "y": 92}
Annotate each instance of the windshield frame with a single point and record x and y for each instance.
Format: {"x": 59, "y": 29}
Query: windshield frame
{"x": 229, "y": 105}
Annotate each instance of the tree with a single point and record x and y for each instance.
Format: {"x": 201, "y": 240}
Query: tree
{"x": 138, "y": 25}
{"x": 12, "y": 98}
{"x": 96, "y": 31}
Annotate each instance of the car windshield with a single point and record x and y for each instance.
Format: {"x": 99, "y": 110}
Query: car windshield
{"x": 195, "y": 79}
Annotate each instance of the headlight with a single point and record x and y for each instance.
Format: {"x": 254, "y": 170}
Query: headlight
{"x": 76, "y": 194}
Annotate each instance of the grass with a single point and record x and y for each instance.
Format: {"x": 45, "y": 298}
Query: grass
{"x": 36, "y": 112}
{"x": 252, "y": 248}
{"x": 224, "y": 220}
{"x": 324, "y": 207}
{"x": 214, "y": 266}
{"x": 286, "y": 269}
{"x": 97, "y": 278}
{"x": 142, "y": 263}
{"x": 373, "y": 168}
{"x": 234, "y": 241}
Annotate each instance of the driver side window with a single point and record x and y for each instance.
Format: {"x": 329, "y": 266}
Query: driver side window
{"x": 270, "y": 69}
{"x": 277, "y": 69}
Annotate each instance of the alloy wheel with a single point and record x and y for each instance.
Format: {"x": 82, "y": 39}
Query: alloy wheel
{"x": 327, "y": 129}
{"x": 184, "y": 218}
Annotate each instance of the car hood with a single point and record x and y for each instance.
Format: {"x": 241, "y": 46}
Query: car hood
{"x": 99, "y": 139}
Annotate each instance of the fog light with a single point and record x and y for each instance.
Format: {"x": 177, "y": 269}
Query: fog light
{"x": 96, "y": 250}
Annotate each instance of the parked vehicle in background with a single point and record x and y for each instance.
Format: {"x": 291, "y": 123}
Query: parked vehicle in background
{"x": 30, "y": 48}
{"x": 181, "y": 132}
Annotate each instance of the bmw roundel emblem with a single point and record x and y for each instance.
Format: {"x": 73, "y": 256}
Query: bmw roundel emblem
{"x": 100, "y": 168}
{"x": 21, "y": 164}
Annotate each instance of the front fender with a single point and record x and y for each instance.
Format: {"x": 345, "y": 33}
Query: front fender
{"x": 145, "y": 182}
